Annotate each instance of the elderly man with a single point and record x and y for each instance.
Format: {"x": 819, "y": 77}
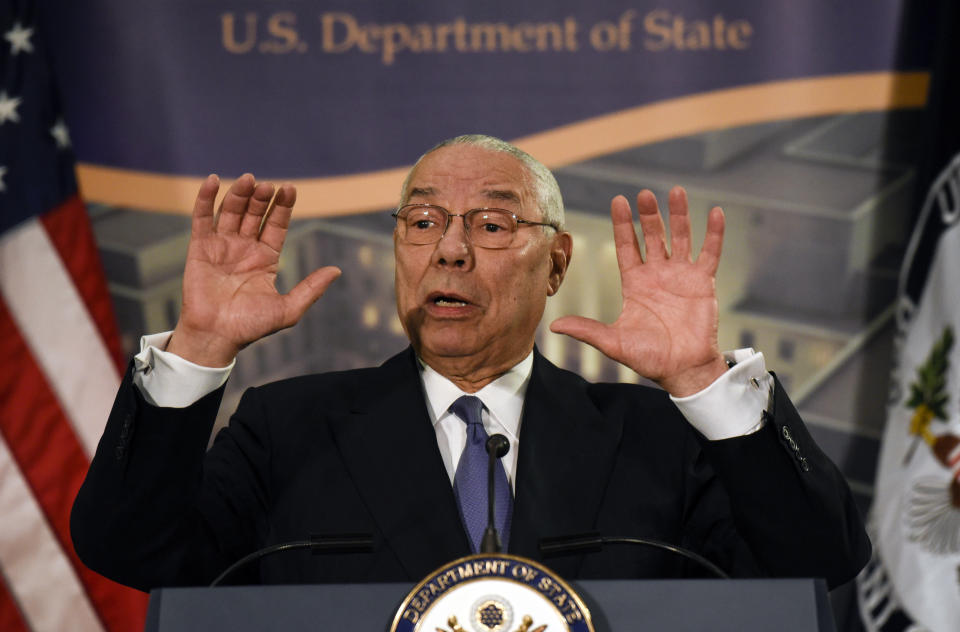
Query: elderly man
{"x": 718, "y": 461}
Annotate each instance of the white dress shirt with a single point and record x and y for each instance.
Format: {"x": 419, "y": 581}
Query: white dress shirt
{"x": 731, "y": 406}
{"x": 502, "y": 410}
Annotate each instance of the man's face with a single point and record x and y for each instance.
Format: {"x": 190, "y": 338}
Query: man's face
{"x": 467, "y": 308}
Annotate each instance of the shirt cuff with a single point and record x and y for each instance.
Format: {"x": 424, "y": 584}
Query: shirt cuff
{"x": 167, "y": 380}
{"x": 733, "y": 405}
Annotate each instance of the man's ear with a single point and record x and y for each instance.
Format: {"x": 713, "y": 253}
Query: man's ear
{"x": 561, "y": 249}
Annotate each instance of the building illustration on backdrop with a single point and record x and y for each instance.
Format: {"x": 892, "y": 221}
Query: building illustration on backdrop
{"x": 817, "y": 217}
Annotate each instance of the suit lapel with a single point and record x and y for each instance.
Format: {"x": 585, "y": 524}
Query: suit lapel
{"x": 567, "y": 450}
{"x": 390, "y": 449}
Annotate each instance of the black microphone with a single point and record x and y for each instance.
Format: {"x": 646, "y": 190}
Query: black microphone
{"x": 318, "y": 545}
{"x": 497, "y": 446}
{"x": 593, "y": 543}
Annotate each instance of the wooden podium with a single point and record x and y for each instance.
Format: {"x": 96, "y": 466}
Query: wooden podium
{"x": 785, "y": 605}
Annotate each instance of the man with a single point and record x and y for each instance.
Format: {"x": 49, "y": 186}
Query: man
{"x": 366, "y": 451}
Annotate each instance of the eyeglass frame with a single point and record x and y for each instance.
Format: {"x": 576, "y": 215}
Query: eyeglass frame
{"x": 466, "y": 227}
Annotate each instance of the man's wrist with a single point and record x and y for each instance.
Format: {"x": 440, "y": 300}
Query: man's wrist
{"x": 201, "y": 350}
{"x": 695, "y": 380}
{"x": 168, "y": 380}
{"x": 733, "y": 404}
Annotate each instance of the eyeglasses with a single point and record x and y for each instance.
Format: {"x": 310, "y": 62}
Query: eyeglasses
{"x": 494, "y": 228}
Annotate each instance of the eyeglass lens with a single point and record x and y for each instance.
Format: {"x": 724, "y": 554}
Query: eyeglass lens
{"x": 487, "y": 228}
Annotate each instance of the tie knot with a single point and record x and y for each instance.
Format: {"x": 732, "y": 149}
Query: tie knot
{"x": 468, "y": 408}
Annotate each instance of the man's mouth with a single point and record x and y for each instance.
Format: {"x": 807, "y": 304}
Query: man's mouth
{"x": 445, "y": 301}
{"x": 448, "y": 300}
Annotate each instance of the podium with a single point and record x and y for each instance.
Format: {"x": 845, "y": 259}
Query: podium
{"x": 742, "y": 605}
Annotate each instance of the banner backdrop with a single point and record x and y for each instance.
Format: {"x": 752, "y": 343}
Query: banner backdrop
{"x": 798, "y": 119}
{"x": 324, "y": 92}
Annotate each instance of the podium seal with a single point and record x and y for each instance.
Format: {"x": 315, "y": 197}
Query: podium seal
{"x": 492, "y": 593}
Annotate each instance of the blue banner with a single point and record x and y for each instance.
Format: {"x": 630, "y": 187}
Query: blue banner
{"x": 308, "y": 89}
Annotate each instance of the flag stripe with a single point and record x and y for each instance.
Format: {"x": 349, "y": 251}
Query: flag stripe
{"x": 69, "y": 230}
{"x": 61, "y": 355}
{"x": 41, "y": 442}
{"x": 34, "y": 562}
{"x": 11, "y": 619}
{"x": 53, "y": 320}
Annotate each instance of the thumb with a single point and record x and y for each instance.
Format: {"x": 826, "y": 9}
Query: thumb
{"x": 588, "y": 330}
{"x": 306, "y": 292}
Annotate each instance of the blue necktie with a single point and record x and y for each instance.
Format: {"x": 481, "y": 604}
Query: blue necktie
{"x": 470, "y": 481}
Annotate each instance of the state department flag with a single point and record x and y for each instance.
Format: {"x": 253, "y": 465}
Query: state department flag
{"x": 913, "y": 581}
{"x": 60, "y": 357}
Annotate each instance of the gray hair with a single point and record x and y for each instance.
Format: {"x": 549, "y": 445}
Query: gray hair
{"x": 545, "y": 186}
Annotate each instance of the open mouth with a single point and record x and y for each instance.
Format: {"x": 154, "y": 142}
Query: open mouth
{"x": 448, "y": 300}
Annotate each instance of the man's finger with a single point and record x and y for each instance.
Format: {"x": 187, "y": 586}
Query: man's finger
{"x": 679, "y": 224}
{"x": 259, "y": 202}
{"x": 588, "y": 330}
{"x": 624, "y": 234}
{"x": 654, "y": 232}
{"x": 202, "y": 220}
{"x": 306, "y": 292}
{"x": 234, "y": 204}
{"x": 278, "y": 217}
{"x": 709, "y": 256}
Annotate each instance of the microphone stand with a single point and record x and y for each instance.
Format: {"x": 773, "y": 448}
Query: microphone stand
{"x": 497, "y": 446}
{"x": 318, "y": 545}
{"x": 593, "y": 543}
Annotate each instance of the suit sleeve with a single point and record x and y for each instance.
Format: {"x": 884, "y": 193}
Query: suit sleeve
{"x": 143, "y": 514}
{"x": 789, "y": 503}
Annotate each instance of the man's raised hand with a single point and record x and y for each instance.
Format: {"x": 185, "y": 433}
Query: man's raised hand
{"x": 229, "y": 293}
{"x": 667, "y": 329}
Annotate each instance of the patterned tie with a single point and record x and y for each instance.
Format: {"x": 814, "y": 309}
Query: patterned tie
{"x": 470, "y": 481}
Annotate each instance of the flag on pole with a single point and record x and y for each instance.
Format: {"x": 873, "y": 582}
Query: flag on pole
{"x": 913, "y": 581}
{"x": 60, "y": 357}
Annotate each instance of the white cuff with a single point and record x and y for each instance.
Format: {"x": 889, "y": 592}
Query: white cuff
{"x": 167, "y": 380}
{"x": 733, "y": 405}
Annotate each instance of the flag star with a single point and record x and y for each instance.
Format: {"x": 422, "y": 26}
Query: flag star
{"x": 61, "y": 134}
{"x": 19, "y": 39}
{"x": 8, "y": 108}
{"x": 3, "y": 172}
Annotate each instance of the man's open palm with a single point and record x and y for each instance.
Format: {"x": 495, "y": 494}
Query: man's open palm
{"x": 229, "y": 293}
{"x": 667, "y": 329}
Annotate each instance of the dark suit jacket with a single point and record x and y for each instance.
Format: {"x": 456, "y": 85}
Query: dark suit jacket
{"x": 355, "y": 452}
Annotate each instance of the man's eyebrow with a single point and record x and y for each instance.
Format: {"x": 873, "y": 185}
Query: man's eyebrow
{"x": 503, "y": 195}
{"x": 420, "y": 191}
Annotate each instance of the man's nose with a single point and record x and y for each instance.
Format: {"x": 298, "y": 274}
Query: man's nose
{"x": 454, "y": 247}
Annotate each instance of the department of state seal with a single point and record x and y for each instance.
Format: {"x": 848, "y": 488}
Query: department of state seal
{"x": 492, "y": 593}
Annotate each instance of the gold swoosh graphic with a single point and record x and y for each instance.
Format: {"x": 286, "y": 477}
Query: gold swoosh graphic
{"x": 568, "y": 144}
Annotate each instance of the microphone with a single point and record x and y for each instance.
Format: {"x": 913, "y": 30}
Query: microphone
{"x": 593, "y": 543}
{"x": 318, "y": 545}
{"x": 497, "y": 446}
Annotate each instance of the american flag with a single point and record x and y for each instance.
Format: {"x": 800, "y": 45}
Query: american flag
{"x": 60, "y": 355}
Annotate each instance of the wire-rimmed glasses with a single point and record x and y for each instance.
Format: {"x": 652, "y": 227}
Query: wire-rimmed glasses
{"x": 422, "y": 224}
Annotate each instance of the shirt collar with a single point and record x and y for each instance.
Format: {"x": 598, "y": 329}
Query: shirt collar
{"x": 502, "y": 397}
